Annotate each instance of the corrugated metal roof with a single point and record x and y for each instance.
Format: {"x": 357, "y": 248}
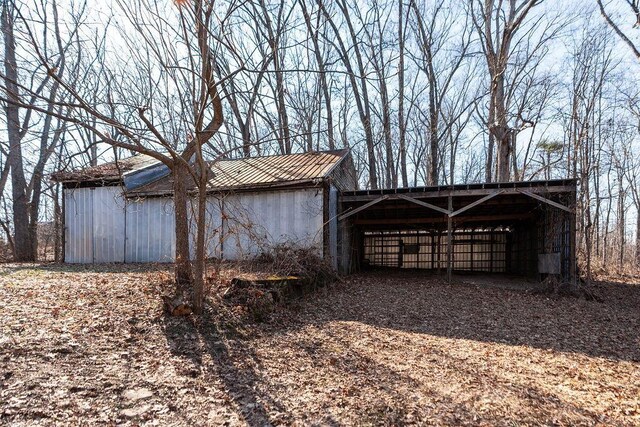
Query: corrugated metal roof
{"x": 267, "y": 171}
{"x": 259, "y": 172}
{"x": 273, "y": 169}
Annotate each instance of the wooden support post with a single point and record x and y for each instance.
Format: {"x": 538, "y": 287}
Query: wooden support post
{"x": 572, "y": 242}
{"x": 449, "y": 241}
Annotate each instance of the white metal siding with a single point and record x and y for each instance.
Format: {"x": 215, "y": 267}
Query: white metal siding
{"x": 101, "y": 227}
{"x": 213, "y": 227}
{"x": 78, "y": 218}
{"x": 108, "y": 224}
{"x": 150, "y": 230}
{"x": 255, "y": 221}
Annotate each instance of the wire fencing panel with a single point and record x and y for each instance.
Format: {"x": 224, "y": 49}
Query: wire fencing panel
{"x": 473, "y": 250}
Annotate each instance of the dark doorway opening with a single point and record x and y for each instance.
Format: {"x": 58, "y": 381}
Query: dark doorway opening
{"x": 523, "y": 228}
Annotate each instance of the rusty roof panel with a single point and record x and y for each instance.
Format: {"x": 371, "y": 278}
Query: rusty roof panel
{"x": 273, "y": 169}
{"x": 112, "y": 171}
{"x": 259, "y": 172}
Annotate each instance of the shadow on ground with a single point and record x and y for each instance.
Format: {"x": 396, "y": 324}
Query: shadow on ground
{"x": 211, "y": 352}
{"x": 428, "y": 305}
{"x": 420, "y": 305}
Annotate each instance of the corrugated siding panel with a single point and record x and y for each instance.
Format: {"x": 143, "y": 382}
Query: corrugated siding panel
{"x": 213, "y": 227}
{"x": 256, "y": 221}
{"x": 108, "y": 224}
{"x": 78, "y": 225}
{"x": 150, "y": 231}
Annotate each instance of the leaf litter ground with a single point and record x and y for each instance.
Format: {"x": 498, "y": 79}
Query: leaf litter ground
{"x": 91, "y": 345}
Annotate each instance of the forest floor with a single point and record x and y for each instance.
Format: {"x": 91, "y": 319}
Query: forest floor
{"x": 91, "y": 345}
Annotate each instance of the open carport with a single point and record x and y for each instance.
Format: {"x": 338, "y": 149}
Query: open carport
{"x": 522, "y": 228}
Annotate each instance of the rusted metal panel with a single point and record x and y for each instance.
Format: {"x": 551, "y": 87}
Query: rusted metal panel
{"x": 260, "y": 172}
{"x": 106, "y": 172}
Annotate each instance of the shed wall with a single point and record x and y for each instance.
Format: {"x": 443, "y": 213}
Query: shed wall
{"x": 254, "y": 221}
{"x": 213, "y": 227}
{"x": 94, "y": 225}
{"x": 333, "y": 226}
{"x": 101, "y": 226}
{"x": 150, "y": 230}
{"x": 108, "y": 225}
{"x": 78, "y": 230}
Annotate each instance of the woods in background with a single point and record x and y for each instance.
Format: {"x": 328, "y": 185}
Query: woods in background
{"x": 422, "y": 92}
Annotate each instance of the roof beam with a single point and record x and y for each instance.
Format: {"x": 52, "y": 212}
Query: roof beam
{"x": 545, "y": 200}
{"x": 476, "y": 203}
{"x": 443, "y": 220}
{"x": 361, "y": 208}
{"x": 424, "y": 204}
{"x": 348, "y": 197}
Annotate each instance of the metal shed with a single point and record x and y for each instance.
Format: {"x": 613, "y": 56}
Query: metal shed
{"x": 523, "y": 228}
{"x": 123, "y": 211}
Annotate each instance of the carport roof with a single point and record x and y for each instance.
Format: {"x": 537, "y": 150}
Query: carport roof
{"x": 472, "y": 205}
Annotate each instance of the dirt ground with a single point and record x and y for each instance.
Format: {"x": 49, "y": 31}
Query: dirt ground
{"x": 88, "y": 346}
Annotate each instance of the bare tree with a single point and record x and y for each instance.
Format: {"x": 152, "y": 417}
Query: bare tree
{"x": 497, "y": 24}
{"x": 357, "y": 76}
{"x": 441, "y": 61}
{"x": 634, "y": 12}
{"x": 24, "y": 91}
{"x": 176, "y": 140}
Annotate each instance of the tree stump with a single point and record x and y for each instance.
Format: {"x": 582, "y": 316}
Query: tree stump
{"x": 175, "y": 306}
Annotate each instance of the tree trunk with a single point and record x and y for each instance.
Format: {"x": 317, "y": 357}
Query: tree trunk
{"x": 488, "y": 176}
{"x": 323, "y": 77}
{"x": 390, "y": 172}
{"x": 200, "y": 259}
{"x": 434, "y": 143}
{"x": 183, "y": 272}
{"x": 638, "y": 237}
{"x": 503, "y": 170}
{"x": 360, "y": 92}
{"x": 57, "y": 225}
{"x": 402, "y": 156}
{"x": 23, "y": 239}
{"x": 621, "y": 225}
{"x": 501, "y": 131}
